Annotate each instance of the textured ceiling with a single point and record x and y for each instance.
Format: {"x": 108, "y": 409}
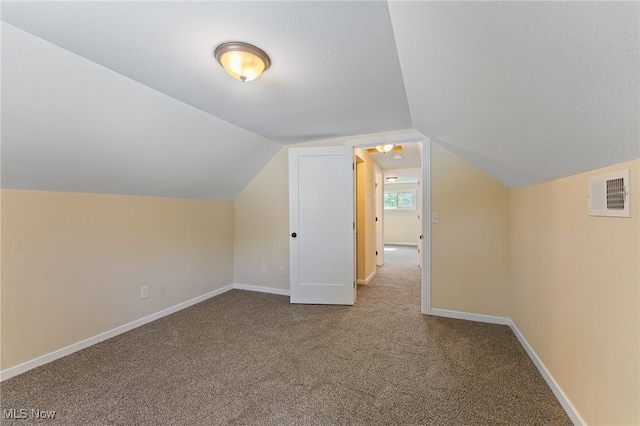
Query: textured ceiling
{"x": 409, "y": 153}
{"x": 125, "y": 97}
{"x": 525, "y": 91}
{"x": 69, "y": 124}
{"x": 334, "y": 67}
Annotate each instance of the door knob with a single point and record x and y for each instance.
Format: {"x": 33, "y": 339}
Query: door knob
{"x": 294, "y": 235}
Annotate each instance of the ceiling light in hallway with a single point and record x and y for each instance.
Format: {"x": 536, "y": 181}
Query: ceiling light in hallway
{"x": 384, "y": 148}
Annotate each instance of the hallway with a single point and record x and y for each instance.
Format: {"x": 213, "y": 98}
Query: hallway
{"x": 397, "y": 254}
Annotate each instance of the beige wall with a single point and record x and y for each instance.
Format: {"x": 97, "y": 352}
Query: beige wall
{"x": 261, "y": 223}
{"x": 470, "y": 245}
{"x": 576, "y": 293}
{"x": 365, "y": 217}
{"x": 401, "y": 226}
{"x": 261, "y": 227}
{"x": 73, "y": 263}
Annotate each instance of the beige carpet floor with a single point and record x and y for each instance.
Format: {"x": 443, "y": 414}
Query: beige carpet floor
{"x": 246, "y": 358}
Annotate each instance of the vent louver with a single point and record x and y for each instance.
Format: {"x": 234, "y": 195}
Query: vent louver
{"x": 615, "y": 194}
{"x": 609, "y": 195}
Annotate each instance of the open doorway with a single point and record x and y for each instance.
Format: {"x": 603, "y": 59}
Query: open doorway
{"x": 321, "y": 184}
{"x": 399, "y": 173}
{"x": 401, "y": 219}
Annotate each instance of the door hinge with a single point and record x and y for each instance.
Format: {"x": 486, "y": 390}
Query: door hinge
{"x": 376, "y": 252}
{"x": 354, "y": 284}
{"x": 354, "y": 226}
{"x": 353, "y": 166}
{"x": 376, "y": 218}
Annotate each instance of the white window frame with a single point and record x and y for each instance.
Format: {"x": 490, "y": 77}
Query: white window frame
{"x": 400, "y": 191}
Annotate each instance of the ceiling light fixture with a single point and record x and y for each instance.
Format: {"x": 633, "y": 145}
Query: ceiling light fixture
{"x": 384, "y": 148}
{"x": 392, "y": 179}
{"x": 242, "y": 60}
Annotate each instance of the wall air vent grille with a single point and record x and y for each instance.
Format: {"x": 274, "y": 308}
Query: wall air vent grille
{"x": 615, "y": 194}
{"x": 609, "y": 195}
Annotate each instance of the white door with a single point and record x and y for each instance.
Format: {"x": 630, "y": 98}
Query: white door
{"x": 321, "y": 225}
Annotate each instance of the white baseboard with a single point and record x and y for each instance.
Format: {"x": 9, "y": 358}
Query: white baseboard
{"x": 557, "y": 391}
{"x": 68, "y": 350}
{"x": 389, "y": 243}
{"x": 555, "y": 388}
{"x": 52, "y": 356}
{"x": 262, "y": 289}
{"x": 470, "y": 316}
{"x": 368, "y": 279}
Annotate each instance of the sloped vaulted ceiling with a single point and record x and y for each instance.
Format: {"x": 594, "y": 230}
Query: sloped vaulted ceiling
{"x": 125, "y": 97}
{"x": 69, "y": 124}
{"x": 525, "y": 91}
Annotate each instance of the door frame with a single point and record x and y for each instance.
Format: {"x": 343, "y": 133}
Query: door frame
{"x": 425, "y": 242}
{"x": 379, "y": 207}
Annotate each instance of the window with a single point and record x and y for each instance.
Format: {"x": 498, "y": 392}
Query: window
{"x": 399, "y": 200}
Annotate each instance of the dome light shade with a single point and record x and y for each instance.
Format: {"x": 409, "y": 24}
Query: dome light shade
{"x": 392, "y": 179}
{"x": 384, "y": 148}
{"x": 242, "y": 61}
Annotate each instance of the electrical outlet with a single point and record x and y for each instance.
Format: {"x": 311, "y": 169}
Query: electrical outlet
{"x": 263, "y": 269}
{"x": 144, "y": 292}
{"x": 435, "y": 218}
{"x": 282, "y": 270}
